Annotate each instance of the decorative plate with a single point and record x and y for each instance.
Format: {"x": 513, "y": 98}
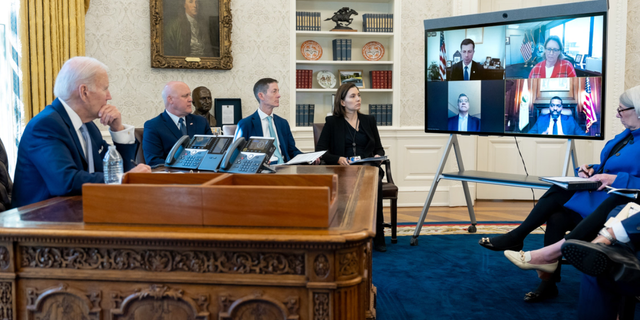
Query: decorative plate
{"x": 326, "y": 79}
{"x": 311, "y": 50}
{"x": 373, "y": 51}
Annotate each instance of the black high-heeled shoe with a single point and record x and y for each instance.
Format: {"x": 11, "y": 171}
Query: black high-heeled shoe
{"x": 486, "y": 242}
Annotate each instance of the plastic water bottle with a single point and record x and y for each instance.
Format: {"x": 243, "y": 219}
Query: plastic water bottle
{"x": 112, "y": 165}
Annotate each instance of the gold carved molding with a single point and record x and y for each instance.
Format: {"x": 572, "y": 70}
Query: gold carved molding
{"x": 6, "y": 300}
{"x": 73, "y": 303}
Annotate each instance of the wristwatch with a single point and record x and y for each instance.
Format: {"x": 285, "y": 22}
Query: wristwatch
{"x": 605, "y": 233}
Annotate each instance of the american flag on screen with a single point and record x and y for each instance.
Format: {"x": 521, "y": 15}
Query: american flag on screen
{"x": 526, "y": 48}
{"x": 587, "y": 105}
{"x": 443, "y": 58}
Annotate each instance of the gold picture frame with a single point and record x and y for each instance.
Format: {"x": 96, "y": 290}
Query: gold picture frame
{"x": 171, "y": 29}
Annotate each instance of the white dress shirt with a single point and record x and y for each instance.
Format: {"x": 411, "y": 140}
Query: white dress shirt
{"x": 125, "y": 136}
{"x": 463, "y": 122}
{"x": 176, "y": 119}
{"x": 550, "y": 129}
{"x": 265, "y": 126}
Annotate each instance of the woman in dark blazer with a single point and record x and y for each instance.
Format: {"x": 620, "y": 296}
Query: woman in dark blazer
{"x": 348, "y": 134}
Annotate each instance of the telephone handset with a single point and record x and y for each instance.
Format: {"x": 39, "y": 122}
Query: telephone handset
{"x": 248, "y": 157}
{"x": 188, "y": 153}
{"x": 177, "y": 149}
{"x": 231, "y": 154}
{"x": 214, "y": 155}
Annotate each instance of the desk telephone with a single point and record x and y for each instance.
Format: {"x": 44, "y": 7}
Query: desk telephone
{"x": 217, "y": 153}
{"x": 249, "y": 157}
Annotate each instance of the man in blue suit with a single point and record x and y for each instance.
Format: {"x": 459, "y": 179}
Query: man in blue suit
{"x": 61, "y": 148}
{"x": 463, "y": 121}
{"x": 162, "y": 132}
{"x": 611, "y": 264}
{"x": 264, "y": 123}
{"x": 555, "y": 122}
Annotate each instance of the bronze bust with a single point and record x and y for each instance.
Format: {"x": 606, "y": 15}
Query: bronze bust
{"x": 202, "y": 101}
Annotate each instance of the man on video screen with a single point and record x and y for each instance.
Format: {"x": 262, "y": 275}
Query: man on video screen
{"x": 463, "y": 121}
{"x": 467, "y": 69}
{"x": 555, "y": 122}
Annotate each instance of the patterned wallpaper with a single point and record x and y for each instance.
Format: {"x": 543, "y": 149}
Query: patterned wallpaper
{"x": 412, "y": 55}
{"x": 117, "y": 33}
{"x": 632, "y": 76}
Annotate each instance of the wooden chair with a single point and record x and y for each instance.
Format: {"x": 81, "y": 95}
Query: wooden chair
{"x": 389, "y": 188}
{"x": 138, "y": 133}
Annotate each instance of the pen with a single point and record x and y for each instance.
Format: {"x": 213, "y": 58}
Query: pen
{"x": 135, "y": 164}
{"x": 587, "y": 173}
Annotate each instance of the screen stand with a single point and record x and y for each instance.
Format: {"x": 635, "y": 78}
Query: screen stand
{"x": 571, "y": 154}
{"x": 503, "y": 179}
{"x": 452, "y": 142}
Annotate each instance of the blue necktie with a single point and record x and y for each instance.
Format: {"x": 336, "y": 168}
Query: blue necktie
{"x": 89, "y": 147}
{"x": 466, "y": 73}
{"x": 272, "y": 133}
{"x": 555, "y": 127}
{"x": 183, "y": 128}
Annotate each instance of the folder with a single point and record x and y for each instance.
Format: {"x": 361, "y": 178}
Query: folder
{"x": 573, "y": 183}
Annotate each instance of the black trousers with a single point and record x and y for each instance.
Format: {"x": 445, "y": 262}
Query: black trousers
{"x": 550, "y": 209}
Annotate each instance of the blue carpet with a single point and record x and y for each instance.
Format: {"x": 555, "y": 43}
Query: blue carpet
{"x": 452, "y": 277}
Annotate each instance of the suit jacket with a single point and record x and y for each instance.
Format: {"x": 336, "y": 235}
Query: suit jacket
{"x": 473, "y": 123}
{"x": 161, "y": 133}
{"x": 569, "y": 125}
{"x": 624, "y": 165}
{"x": 5, "y": 180}
{"x": 51, "y": 162}
{"x": 252, "y": 126}
{"x": 333, "y": 134}
{"x": 457, "y": 71}
{"x": 632, "y": 226}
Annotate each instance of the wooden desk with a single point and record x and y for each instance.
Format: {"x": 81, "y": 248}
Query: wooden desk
{"x": 53, "y": 266}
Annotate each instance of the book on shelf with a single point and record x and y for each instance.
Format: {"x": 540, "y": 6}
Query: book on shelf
{"x": 307, "y": 21}
{"x": 573, "y": 183}
{"x": 311, "y": 114}
{"x": 337, "y": 52}
{"x": 377, "y": 22}
{"x": 629, "y": 193}
{"x": 348, "y": 50}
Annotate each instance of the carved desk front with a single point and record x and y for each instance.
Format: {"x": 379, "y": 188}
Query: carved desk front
{"x": 53, "y": 266}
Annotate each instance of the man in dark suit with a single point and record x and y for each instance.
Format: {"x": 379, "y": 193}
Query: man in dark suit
{"x": 611, "y": 264}
{"x": 467, "y": 69}
{"x": 61, "y": 148}
{"x": 463, "y": 121}
{"x": 555, "y": 122}
{"x": 264, "y": 123}
{"x": 163, "y": 131}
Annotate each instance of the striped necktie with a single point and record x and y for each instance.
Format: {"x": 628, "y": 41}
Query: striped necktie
{"x": 182, "y": 127}
{"x": 88, "y": 147}
{"x": 272, "y": 133}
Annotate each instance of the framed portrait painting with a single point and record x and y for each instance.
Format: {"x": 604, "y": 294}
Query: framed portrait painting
{"x": 192, "y": 34}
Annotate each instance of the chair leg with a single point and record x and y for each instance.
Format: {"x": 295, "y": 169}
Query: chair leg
{"x": 394, "y": 220}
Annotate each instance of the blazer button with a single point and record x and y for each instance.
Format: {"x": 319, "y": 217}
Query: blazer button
{"x": 631, "y": 142}
{"x": 618, "y": 154}
{"x": 606, "y": 170}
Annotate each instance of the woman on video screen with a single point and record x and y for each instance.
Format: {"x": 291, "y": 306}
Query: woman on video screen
{"x": 554, "y": 65}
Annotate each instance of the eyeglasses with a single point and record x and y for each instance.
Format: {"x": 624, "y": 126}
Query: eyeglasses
{"x": 552, "y": 50}
{"x": 620, "y": 111}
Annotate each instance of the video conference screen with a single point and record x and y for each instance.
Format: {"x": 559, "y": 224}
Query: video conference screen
{"x": 540, "y": 78}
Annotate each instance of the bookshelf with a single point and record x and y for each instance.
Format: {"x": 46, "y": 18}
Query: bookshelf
{"x": 322, "y": 98}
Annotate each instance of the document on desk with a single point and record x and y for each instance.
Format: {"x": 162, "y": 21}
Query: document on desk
{"x": 370, "y": 159}
{"x": 573, "y": 183}
{"x": 307, "y": 158}
{"x": 629, "y": 193}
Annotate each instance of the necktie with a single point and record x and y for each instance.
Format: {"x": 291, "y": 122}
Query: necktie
{"x": 183, "y": 128}
{"x": 272, "y": 133}
{"x": 466, "y": 73}
{"x": 555, "y": 127}
{"x": 89, "y": 148}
